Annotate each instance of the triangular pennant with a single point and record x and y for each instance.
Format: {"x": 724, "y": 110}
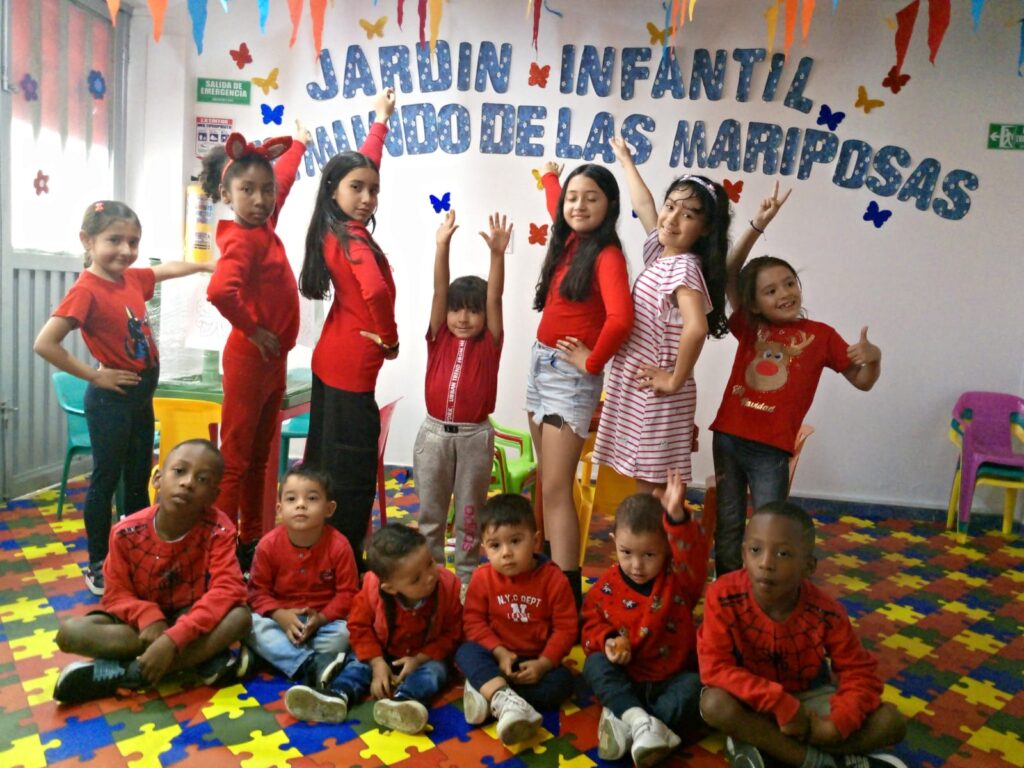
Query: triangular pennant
{"x": 421, "y": 9}
{"x": 771, "y": 18}
{"x": 805, "y": 19}
{"x": 264, "y": 6}
{"x": 906, "y": 17}
{"x": 536, "y": 22}
{"x": 938, "y": 22}
{"x": 401, "y": 12}
{"x": 976, "y": 6}
{"x": 787, "y": 39}
{"x": 114, "y": 6}
{"x": 295, "y": 12}
{"x": 436, "y": 9}
{"x": 197, "y": 10}
{"x": 158, "y": 8}
{"x": 317, "y": 8}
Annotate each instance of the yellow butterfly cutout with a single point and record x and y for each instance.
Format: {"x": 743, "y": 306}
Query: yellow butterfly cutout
{"x": 537, "y": 175}
{"x": 374, "y": 27}
{"x": 891, "y": 22}
{"x": 658, "y": 35}
{"x": 864, "y": 102}
{"x": 268, "y": 83}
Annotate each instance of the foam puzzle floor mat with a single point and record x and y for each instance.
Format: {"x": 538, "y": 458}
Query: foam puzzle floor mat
{"x": 945, "y": 618}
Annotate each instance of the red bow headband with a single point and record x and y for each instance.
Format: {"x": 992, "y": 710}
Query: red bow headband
{"x": 237, "y": 147}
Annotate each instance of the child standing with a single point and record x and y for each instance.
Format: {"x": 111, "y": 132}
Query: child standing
{"x": 646, "y": 424}
{"x": 302, "y": 582}
{"x": 405, "y": 624}
{"x": 359, "y": 334}
{"x": 587, "y": 312}
{"x": 784, "y": 671}
{"x": 175, "y": 599}
{"x": 254, "y": 287}
{"x": 638, "y": 629}
{"x": 778, "y": 363}
{"x": 455, "y": 446}
{"x": 108, "y": 304}
{"x": 520, "y": 622}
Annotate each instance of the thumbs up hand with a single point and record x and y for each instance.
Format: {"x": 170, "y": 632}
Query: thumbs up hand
{"x": 863, "y": 352}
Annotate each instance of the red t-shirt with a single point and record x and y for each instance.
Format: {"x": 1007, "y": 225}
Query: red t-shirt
{"x": 112, "y": 318}
{"x": 774, "y": 377}
{"x": 462, "y": 376}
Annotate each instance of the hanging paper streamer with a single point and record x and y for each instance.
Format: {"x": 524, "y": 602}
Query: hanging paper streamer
{"x": 938, "y": 22}
{"x": 771, "y": 17}
{"x": 264, "y": 6}
{"x": 224, "y": 5}
{"x": 549, "y": 9}
{"x": 805, "y": 19}
{"x": 905, "y": 20}
{"x": 421, "y": 9}
{"x": 114, "y": 5}
{"x": 835, "y": 5}
{"x": 976, "y": 6}
{"x": 158, "y": 8}
{"x": 316, "y": 12}
{"x": 536, "y": 21}
{"x": 435, "y": 23}
{"x": 197, "y": 10}
{"x": 295, "y": 12}
{"x": 787, "y": 39}
{"x": 401, "y": 12}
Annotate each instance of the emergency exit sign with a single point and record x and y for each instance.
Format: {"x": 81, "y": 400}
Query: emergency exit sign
{"x": 1005, "y": 136}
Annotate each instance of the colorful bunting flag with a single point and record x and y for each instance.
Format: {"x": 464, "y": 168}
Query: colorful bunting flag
{"x": 158, "y": 8}
{"x": 938, "y": 22}
{"x": 197, "y": 10}
{"x": 114, "y": 5}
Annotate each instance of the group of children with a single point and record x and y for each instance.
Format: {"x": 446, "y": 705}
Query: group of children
{"x": 175, "y": 596}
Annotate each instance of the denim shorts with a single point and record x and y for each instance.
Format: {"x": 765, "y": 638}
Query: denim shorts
{"x": 556, "y": 387}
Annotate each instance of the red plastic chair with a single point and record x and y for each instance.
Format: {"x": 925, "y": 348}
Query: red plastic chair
{"x": 386, "y": 413}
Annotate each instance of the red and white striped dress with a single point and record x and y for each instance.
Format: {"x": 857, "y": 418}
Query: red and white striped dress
{"x": 641, "y": 435}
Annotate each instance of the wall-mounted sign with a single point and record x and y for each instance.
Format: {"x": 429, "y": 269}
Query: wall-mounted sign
{"x": 211, "y": 131}
{"x": 220, "y": 91}
{"x": 1005, "y": 136}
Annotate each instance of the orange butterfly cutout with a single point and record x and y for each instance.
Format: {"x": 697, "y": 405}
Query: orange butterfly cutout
{"x": 374, "y": 28}
{"x": 241, "y": 56}
{"x": 733, "y": 189}
{"x": 539, "y": 75}
{"x": 538, "y": 234}
{"x": 658, "y": 35}
{"x": 268, "y": 83}
{"x": 864, "y": 102}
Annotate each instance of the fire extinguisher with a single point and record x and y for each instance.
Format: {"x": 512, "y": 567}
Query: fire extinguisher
{"x": 198, "y": 224}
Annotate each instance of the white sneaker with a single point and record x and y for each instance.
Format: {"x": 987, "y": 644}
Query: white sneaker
{"x": 305, "y": 703}
{"x": 652, "y": 741}
{"x": 517, "y": 720}
{"x": 614, "y": 737}
{"x": 405, "y": 715}
{"x": 474, "y": 705}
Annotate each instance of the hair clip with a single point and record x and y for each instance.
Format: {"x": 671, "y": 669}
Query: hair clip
{"x": 703, "y": 182}
{"x": 237, "y": 148}
{"x": 98, "y": 207}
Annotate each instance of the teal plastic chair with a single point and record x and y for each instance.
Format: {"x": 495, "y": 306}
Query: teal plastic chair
{"x": 297, "y": 426}
{"x": 71, "y": 398}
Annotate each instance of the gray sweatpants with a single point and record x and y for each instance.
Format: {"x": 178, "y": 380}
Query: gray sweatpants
{"x": 447, "y": 463}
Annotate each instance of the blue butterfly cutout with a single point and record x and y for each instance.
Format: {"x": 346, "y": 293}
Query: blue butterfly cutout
{"x": 444, "y": 203}
{"x": 827, "y": 117}
{"x": 876, "y": 215}
{"x": 272, "y": 114}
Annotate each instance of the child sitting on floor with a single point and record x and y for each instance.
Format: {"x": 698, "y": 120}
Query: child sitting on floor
{"x": 302, "y": 582}
{"x": 405, "y": 623}
{"x": 638, "y": 628}
{"x": 784, "y": 671}
{"x": 520, "y": 622}
{"x": 174, "y": 596}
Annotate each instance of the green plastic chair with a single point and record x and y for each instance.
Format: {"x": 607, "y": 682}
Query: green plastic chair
{"x": 512, "y": 473}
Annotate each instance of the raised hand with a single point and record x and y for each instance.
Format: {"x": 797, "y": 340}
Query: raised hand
{"x": 769, "y": 207}
{"x": 301, "y": 132}
{"x": 621, "y": 150}
{"x": 863, "y": 352}
{"x": 447, "y": 228}
{"x": 500, "y": 232}
{"x": 552, "y": 167}
{"x": 384, "y": 105}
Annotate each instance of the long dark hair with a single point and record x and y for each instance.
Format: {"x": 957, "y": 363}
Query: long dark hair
{"x": 328, "y": 218}
{"x": 712, "y": 248}
{"x": 579, "y": 278}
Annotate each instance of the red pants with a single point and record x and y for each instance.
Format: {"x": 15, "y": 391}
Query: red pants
{"x": 253, "y": 390}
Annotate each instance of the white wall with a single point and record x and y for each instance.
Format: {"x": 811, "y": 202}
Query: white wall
{"x": 941, "y": 297}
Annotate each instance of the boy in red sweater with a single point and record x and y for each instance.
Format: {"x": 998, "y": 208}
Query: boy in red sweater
{"x": 405, "y": 624}
{"x": 302, "y": 583}
{"x": 638, "y": 629}
{"x": 174, "y": 596}
{"x": 520, "y": 621}
{"x": 783, "y": 668}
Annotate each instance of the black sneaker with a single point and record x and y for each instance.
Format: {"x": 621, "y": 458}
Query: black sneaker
{"x": 874, "y": 760}
{"x": 323, "y": 668}
{"x": 245, "y": 552}
{"x": 218, "y": 668}
{"x": 305, "y": 703}
{"x": 94, "y": 579}
{"x": 87, "y": 680}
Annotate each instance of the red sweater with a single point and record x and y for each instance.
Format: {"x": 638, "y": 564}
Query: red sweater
{"x": 660, "y": 626}
{"x": 532, "y": 614}
{"x": 604, "y": 319}
{"x": 364, "y": 300}
{"x": 253, "y": 284}
{"x": 433, "y": 627}
{"x": 149, "y": 579}
{"x": 322, "y": 577}
{"x": 763, "y": 663}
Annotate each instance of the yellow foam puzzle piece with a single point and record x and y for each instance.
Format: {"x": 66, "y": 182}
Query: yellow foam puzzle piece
{"x": 906, "y": 536}
{"x": 392, "y": 747}
{"x": 266, "y": 750}
{"x": 955, "y": 606}
{"x": 850, "y": 583}
{"x": 39, "y": 690}
{"x": 901, "y": 613}
{"x": 24, "y": 609}
{"x": 896, "y": 557}
{"x": 912, "y": 646}
{"x": 910, "y": 582}
{"x": 969, "y": 552}
{"x": 909, "y": 706}
{"x": 971, "y": 581}
{"x": 988, "y": 740}
{"x": 41, "y": 644}
{"x": 978, "y": 641}
{"x": 50, "y": 575}
{"x": 28, "y": 752}
{"x": 856, "y": 522}
{"x": 149, "y": 744}
{"x": 981, "y": 692}
{"x": 32, "y": 552}
{"x": 68, "y": 525}
{"x": 846, "y": 561}
{"x": 228, "y": 701}
{"x": 858, "y": 538}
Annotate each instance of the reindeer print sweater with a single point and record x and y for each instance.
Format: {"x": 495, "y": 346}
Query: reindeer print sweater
{"x": 774, "y": 377}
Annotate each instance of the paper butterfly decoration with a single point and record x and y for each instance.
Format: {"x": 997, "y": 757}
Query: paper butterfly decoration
{"x": 539, "y": 75}
{"x": 659, "y": 36}
{"x": 538, "y": 234}
{"x": 97, "y": 85}
{"x": 29, "y": 88}
{"x": 272, "y": 114}
{"x": 241, "y": 56}
{"x": 537, "y": 176}
{"x": 864, "y": 102}
{"x": 733, "y": 189}
{"x": 876, "y": 215}
{"x": 268, "y": 83}
{"x": 895, "y": 80}
{"x": 827, "y": 117}
{"x": 443, "y": 203}
{"x": 41, "y": 183}
{"x": 374, "y": 28}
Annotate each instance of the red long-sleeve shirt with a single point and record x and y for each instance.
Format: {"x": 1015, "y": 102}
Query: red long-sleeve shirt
{"x": 434, "y": 627}
{"x": 253, "y": 284}
{"x": 763, "y": 662}
{"x": 149, "y": 579}
{"x": 322, "y": 577}
{"x": 604, "y": 319}
{"x": 532, "y": 614}
{"x": 659, "y": 626}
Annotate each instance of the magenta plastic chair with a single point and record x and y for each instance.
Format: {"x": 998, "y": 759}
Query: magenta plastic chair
{"x": 986, "y": 419}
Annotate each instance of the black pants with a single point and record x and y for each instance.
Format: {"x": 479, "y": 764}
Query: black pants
{"x": 344, "y": 428}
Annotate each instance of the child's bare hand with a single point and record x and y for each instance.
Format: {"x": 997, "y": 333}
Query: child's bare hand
{"x": 770, "y": 206}
{"x": 266, "y": 342}
{"x": 384, "y": 105}
{"x": 506, "y": 661}
{"x": 621, "y": 150}
{"x": 531, "y": 672}
{"x": 655, "y": 379}
{"x": 500, "y": 233}
{"x": 673, "y": 496}
{"x": 301, "y": 133}
{"x": 799, "y": 727}
{"x": 114, "y": 378}
{"x": 290, "y": 621}
{"x": 157, "y": 659}
{"x": 380, "y": 686}
{"x": 552, "y": 167}
{"x": 390, "y": 353}
{"x": 574, "y": 351}
{"x": 863, "y": 352}
{"x": 617, "y": 650}
{"x": 823, "y": 733}
{"x": 314, "y": 620}
{"x": 152, "y": 632}
{"x": 447, "y": 228}
{"x": 405, "y": 666}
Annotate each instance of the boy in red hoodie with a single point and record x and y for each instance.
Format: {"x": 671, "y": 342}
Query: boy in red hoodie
{"x": 520, "y": 621}
{"x": 638, "y": 629}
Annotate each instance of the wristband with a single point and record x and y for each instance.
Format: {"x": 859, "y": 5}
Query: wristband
{"x": 756, "y": 228}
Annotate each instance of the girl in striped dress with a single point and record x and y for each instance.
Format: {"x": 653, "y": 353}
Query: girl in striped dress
{"x": 646, "y": 426}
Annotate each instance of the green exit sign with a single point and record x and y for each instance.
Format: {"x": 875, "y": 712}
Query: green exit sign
{"x": 1005, "y": 136}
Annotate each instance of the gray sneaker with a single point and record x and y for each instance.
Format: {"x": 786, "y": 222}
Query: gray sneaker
{"x": 405, "y": 715}
{"x": 305, "y": 703}
{"x": 613, "y": 736}
{"x": 474, "y": 705}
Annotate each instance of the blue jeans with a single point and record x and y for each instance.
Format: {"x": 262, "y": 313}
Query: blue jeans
{"x": 422, "y": 684}
{"x": 121, "y": 433}
{"x": 740, "y": 463}
{"x": 271, "y": 642}
{"x": 479, "y": 666}
{"x": 675, "y": 700}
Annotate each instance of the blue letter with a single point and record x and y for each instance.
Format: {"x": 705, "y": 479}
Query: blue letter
{"x": 599, "y": 74}
{"x": 774, "y": 75}
{"x": 951, "y": 189}
{"x": 668, "y": 77}
{"x": 631, "y": 132}
{"x": 330, "y": 89}
{"x": 487, "y": 64}
{"x": 795, "y": 98}
{"x": 884, "y": 161}
{"x": 357, "y": 74}
{"x": 687, "y": 147}
{"x": 425, "y": 67}
{"x": 762, "y": 138}
{"x": 701, "y": 73}
{"x": 727, "y": 146}
{"x": 394, "y": 62}
{"x": 564, "y": 147}
{"x": 602, "y": 130}
{"x": 445, "y": 132}
{"x": 526, "y": 130}
{"x": 855, "y": 180}
{"x": 630, "y": 71}
{"x": 819, "y": 147}
{"x": 747, "y": 57}
{"x": 495, "y": 140}
{"x": 921, "y": 183}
